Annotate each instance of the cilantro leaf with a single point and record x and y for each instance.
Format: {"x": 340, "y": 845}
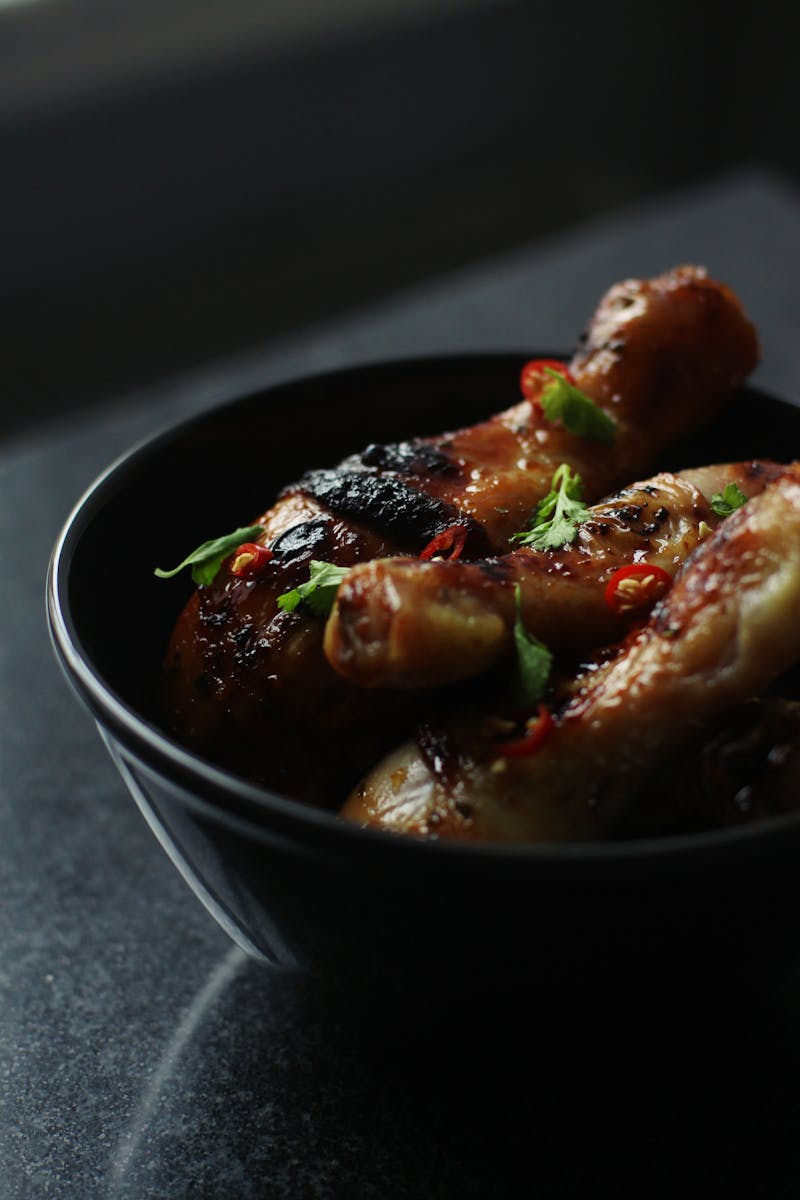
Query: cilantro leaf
{"x": 556, "y": 518}
{"x": 579, "y": 413}
{"x": 534, "y": 660}
{"x": 319, "y": 593}
{"x": 728, "y": 500}
{"x": 207, "y": 559}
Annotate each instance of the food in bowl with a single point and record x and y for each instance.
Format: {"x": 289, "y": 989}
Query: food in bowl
{"x": 723, "y": 631}
{"x": 263, "y": 677}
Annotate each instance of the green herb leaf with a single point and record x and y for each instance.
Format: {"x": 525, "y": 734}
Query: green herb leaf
{"x": 728, "y": 500}
{"x": 207, "y": 559}
{"x": 579, "y": 413}
{"x": 534, "y": 660}
{"x": 318, "y": 595}
{"x": 556, "y": 518}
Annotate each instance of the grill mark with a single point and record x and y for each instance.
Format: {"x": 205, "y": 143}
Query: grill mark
{"x": 299, "y": 539}
{"x": 629, "y": 513}
{"x": 439, "y": 754}
{"x": 389, "y": 506}
{"x": 408, "y": 458}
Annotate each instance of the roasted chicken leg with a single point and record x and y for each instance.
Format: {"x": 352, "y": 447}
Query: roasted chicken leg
{"x": 726, "y": 628}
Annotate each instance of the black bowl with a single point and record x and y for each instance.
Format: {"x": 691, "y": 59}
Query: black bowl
{"x": 441, "y": 927}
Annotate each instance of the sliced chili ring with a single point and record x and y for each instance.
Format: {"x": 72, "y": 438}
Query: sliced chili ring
{"x": 539, "y": 729}
{"x": 533, "y": 375}
{"x": 451, "y": 539}
{"x": 248, "y": 559}
{"x": 635, "y": 587}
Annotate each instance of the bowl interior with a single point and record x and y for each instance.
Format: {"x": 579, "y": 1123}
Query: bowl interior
{"x": 220, "y": 470}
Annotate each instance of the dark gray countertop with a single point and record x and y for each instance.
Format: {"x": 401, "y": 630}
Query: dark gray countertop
{"x": 141, "y": 1055}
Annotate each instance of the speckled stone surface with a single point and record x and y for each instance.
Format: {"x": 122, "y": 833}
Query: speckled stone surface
{"x": 142, "y": 1056}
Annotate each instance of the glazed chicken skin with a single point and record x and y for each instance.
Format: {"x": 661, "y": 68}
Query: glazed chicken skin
{"x": 399, "y": 622}
{"x": 243, "y": 679}
{"x": 723, "y": 632}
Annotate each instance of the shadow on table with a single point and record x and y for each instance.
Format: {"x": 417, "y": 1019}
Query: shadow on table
{"x": 263, "y": 1092}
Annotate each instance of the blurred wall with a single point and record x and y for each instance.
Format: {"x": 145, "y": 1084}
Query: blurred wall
{"x": 184, "y": 180}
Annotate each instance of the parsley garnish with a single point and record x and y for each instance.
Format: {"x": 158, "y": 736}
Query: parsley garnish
{"x": 207, "y": 559}
{"x": 728, "y": 500}
{"x": 319, "y": 593}
{"x": 579, "y": 413}
{"x": 556, "y": 518}
{"x": 534, "y": 660}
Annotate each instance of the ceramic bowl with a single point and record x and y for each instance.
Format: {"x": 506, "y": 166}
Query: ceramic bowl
{"x": 443, "y": 928}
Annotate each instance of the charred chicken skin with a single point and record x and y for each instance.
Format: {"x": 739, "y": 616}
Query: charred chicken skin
{"x": 722, "y": 633}
{"x": 242, "y": 675}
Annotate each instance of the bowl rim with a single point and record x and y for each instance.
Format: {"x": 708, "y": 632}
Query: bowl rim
{"x": 267, "y": 813}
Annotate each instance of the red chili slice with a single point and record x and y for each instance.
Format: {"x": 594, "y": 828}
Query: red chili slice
{"x": 533, "y": 375}
{"x": 636, "y": 586}
{"x": 451, "y": 539}
{"x": 248, "y": 559}
{"x": 539, "y": 729}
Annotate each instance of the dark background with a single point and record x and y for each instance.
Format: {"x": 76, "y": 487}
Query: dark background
{"x": 184, "y": 181}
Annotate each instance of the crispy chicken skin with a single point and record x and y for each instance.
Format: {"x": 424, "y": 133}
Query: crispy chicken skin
{"x": 399, "y": 622}
{"x": 246, "y": 684}
{"x": 723, "y": 632}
